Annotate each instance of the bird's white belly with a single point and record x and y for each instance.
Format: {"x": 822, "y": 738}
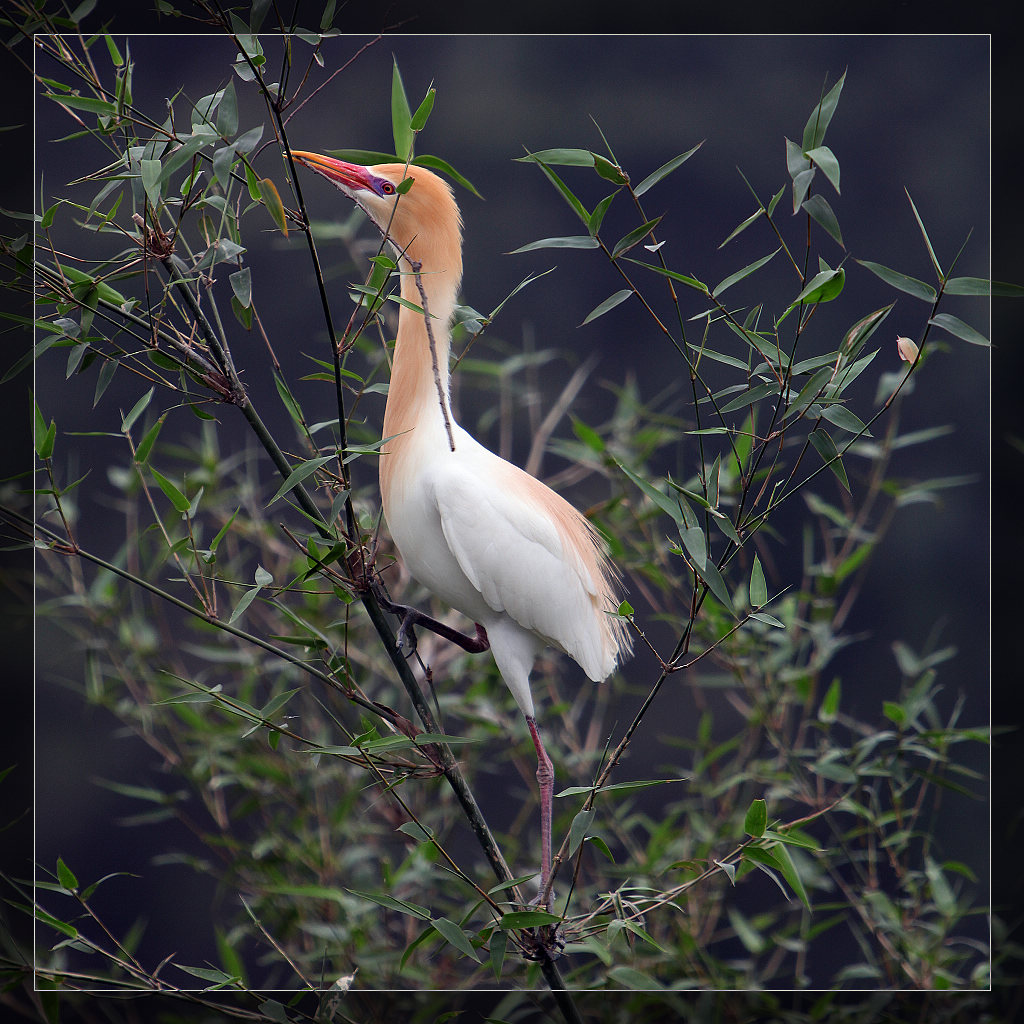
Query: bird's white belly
{"x": 415, "y": 526}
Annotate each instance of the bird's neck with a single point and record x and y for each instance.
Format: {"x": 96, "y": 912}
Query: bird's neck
{"x": 418, "y": 402}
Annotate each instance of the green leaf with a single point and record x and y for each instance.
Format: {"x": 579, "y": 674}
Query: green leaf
{"x": 713, "y": 578}
{"x": 634, "y": 237}
{"x": 528, "y": 919}
{"x": 223, "y": 160}
{"x": 790, "y": 873}
{"x": 662, "y": 500}
{"x": 609, "y": 171}
{"x": 241, "y": 285}
{"x": 561, "y": 157}
{"x": 942, "y": 893}
{"x": 690, "y": 282}
{"x": 824, "y": 158}
{"x": 419, "y": 119}
{"x": 743, "y": 225}
{"x": 453, "y": 933}
{"x": 910, "y": 285}
{"x": 146, "y": 444}
{"x": 826, "y": 448}
{"x": 272, "y": 201}
{"x": 597, "y": 217}
{"x": 857, "y": 336}
{"x": 956, "y": 327}
{"x": 53, "y": 922}
{"x": 810, "y": 391}
{"x": 497, "y": 947}
{"x": 567, "y": 194}
{"x": 924, "y": 234}
{"x": 749, "y": 269}
{"x": 246, "y": 142}
{"x": 756, "y": 820}
{"x": 983, "y": 286}
{"x": 823, "y": 287}
{"x": 89, "y": 103}
{"x": 136, "y": 411}
{"x": 578, "y": 830}
{"x": 758, "y": 587}
{"x": 665, "y": 169}
{"x": 696, "y": 544}
{"x": 796, "y": 162}
{"x": 401, "y": 117}
{"x": 227, "y": 112}
{"x": 830, "y": 704}
{"x": 115, "y": 54}
{"x": 66, "y": 876}
{"x": 821, "y": 116}
{"x": 846, "y": 420}
{"x": 437, "y": 164}
{"x": 820, "y": 211}
{"x": 415, "y": 831}
{"x": 176, "y": 498}
{"x": 297, "y": 475}
{"x": 150, "y": 171}
{"x": 609, "y": 303}
{"x": 564, "y": 242}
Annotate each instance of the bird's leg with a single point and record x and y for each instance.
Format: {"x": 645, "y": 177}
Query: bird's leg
{"x": 412, "y": 617}
{"x": 546, "y": 782}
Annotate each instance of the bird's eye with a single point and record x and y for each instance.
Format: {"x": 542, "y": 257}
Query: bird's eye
{"x": 387, "y": 188}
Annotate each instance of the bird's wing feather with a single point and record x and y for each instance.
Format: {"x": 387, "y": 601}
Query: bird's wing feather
{"x": 514, "y": 555}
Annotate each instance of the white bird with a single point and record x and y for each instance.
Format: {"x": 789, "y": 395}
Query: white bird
{"x": 481, "y": 534}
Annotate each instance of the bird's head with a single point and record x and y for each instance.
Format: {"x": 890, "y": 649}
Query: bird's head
{"x": 424, "y": 222}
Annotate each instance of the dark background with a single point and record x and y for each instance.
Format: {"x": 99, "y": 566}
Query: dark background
{"x": 913, "y": 112}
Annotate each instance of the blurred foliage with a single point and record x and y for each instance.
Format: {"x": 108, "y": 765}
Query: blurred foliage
{"x": 232, "y": 631}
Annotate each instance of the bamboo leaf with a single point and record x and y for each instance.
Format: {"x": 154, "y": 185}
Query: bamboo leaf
{"x": 825, "y": 159}
{"x": 563, "y": 242}
{"x": 956, "y": 327}
{"x": 567, "y": 194}
{"x": 983, "y": 286}
{"x": 272, "y": 201}
{"x": 910, "y": 285}
{"x": 66, "y": 876}
{"x": 756, "y": 820}
{"x": 665, "y": 169}
{"x": 820, "y": 211}
{"x": 177, "y": 499}
{"x": 578, "y": 830}
{"x": 401, "y": 117}
{"x": 300, "y": 473}
{"x": 821, "y": 116}
{"x": 924, "y": 234}
{"x": 749, "y": 269}
{"x": 227, "y": 112}
{"x": 456, "y": 936}
{"x": 635, "y": 236}
{"x": 662, "y": 500}
{"x": 758, "y": 587}
{"x": 136, "y": 411}
{"x": 419, "y": 119}
{"x": 609, "y": 303}
{"x": 743, "y": 225}
{"x": 241, "y": 285}
{"x": 826, "y": 448}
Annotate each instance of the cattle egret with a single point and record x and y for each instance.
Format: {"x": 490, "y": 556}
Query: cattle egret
{"x": 481, "y": 534}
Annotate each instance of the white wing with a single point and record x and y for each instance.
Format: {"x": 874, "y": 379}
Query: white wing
{"x": 512, "y": 551}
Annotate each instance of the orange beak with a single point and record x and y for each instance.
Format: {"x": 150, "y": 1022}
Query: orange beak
{"x": 338, "y": 171}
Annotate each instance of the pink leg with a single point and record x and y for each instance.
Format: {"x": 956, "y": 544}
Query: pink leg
{"x": 546, "y": 781}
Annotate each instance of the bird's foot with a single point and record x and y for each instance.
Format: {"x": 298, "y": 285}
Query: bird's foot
{"x": 406, "y": 640}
